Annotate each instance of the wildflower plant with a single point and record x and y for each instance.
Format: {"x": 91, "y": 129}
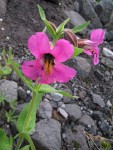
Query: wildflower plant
{"x": 46, "y": 68}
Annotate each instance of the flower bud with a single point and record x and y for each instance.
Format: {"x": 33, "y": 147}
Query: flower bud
{"x": 71, "y": 37}
{"x": 53, "y": 25}
{"x": 85, "y": 43}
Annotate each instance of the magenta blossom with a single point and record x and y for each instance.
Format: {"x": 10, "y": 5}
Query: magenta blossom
{"x": 91, "y": 46}
{"x": 47, "y": 67}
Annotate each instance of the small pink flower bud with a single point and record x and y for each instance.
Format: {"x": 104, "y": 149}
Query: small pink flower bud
{"x": 71, "y": 37}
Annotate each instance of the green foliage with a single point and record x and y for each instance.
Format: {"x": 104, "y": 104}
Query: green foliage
{"x": 105, "y": 145}
{"x": 13, "y": 104}
{"x": 60, "y": 28}
{"x": 11, "y": 117}
{"x": 80, "y": 27}
{"x": 5, "y": 71}
{"x": 2, "y": 98}
{"x": 27, "y": 118}
{"x": 5, "y": 142}
{"x": 48, "y": 89}
{"x": 27, "y": 147}
{"x": 41, "y": 12}
{"x": 77, "y": 51}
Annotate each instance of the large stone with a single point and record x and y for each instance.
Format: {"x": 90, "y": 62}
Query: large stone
{"x": 9, "y": 89}
{"x": 104, "y": 10}
{"x": 86, "y": 120}
{"x": 83, "y": 67}
{"x": 98, "y": 100}
{"x": 88, "y": 12}
{"x": 45, "y": 109}
{"x": 3, "y": 4}
{"x": 107, "y": 62}
{"x": 47, "y": 135}
{"x": 75, "y": 138}
{"x": 73, "y": 111}
{"x": 75, "y": 17}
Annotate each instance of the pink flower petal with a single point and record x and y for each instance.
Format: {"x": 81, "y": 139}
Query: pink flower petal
{"x": 31, "y": 69}
{"x": 62, "y": 50}
{"x": 96, "y": 56}
{"x": 87, "y": 51}
{"x": 39, "y": 44}
{"x": 63, "y": 73}
{"x": 97, "y": 36}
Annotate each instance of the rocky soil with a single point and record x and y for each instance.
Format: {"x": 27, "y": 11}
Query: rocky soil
{"x": 62, "y": 123}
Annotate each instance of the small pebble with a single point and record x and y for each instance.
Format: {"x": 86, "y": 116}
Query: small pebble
{"x": 28, "y": 92}
{"x": 1, "y": 19}
{"x": 109, "y": 103}
{"x": 63, "y": 112}
{"x": 7, "y": 37}
{"x": 2, "y": 29}
{"x": 63, "y": 136}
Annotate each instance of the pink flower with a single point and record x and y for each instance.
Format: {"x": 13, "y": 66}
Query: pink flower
{"x": 47, "y": 67}
{"x": 91, "y": 46}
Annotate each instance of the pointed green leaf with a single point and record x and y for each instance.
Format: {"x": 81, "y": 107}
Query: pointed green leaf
{"x": 26, "y": 123}
{"x": 77, "y": 51}
{"x": 5, "y": 142}
{"x": 48, "y": 89}
{"x": 80, "y": 27}
{"x": 41, "y": 12}
{"x": 50, "y": 29}
{"x": 60, "y": 28}
{"x": 27, "y": 147}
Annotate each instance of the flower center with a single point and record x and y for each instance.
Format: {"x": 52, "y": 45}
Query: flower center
{"x": 48, "y": 63}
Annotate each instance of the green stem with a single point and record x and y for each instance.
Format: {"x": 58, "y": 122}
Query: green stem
{"x": 20, "y": 140}
{"x": 21, "y": 76}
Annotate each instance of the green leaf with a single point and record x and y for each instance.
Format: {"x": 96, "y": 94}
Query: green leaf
{"x": 41, "y": 12}
{"x": 27, "y": 118}
{"x": 25, "y": 147}
{"x": 28, "y": 138}
{"x": 5, "y": 70}
{"x": 5, "y": 142}
{"x": 60, "y": 28}
{"x": 77, "y": 51}
{"x": 50, "y": 29}
{"x": 80, "y": 27}
{"x": 48, "y": 89}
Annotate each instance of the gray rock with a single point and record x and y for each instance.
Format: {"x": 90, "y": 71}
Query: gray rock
{"x": 22, "y": 93}
{"x": 45, "y": 109}
{"x": 3, "y": 4}
{"x": 73, "y": 111}
{"x": 97, "y": 115}
{"x": 9, "y": 89}
{"x": 107, "y": 62}
{"x": 104, "y": 10}
{"x": 75, "y": 17}
{"x": 76, "y": 6}
{"x": 107, "y": 52}
{"x": 88, "y": 12}
{"x": 105, "y": 127}
{"x": 109, "y": 35}
{"x": 86, "y": 120}
{"x": 67, "y": 100}
{"x": 83, "y": 67}
{"x": 56, "y": 96}
{"x": 75, "y": 138}
{"x": 19, "y": 108}
{"x": 14, "y": 76}
{"x": 98, "y": 100}
{"x": 47, "y": 135}
{"x": 82, "y": 95}
{"x": 109, "y": 25}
